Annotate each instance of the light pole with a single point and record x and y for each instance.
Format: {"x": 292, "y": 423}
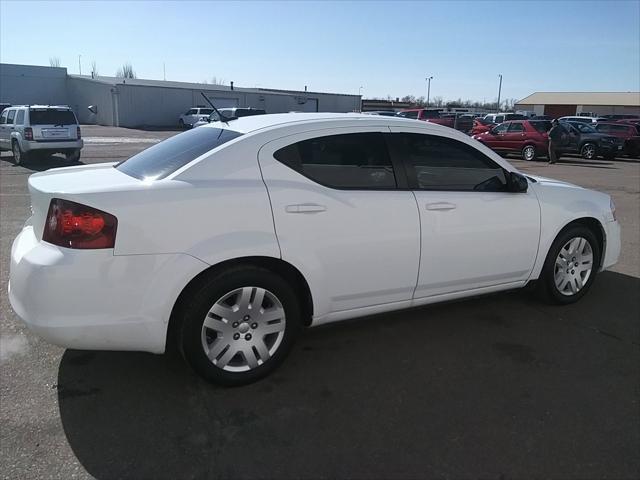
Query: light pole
{"x": 428, "y": 79}
{"x": 499, "y": 91}
{"x": 360, "y": 95}
{"x": 79, "y": 65}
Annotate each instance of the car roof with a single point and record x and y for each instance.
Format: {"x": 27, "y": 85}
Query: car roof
{"x": 283, "y": 120}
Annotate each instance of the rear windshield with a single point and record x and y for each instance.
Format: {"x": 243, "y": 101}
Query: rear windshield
{"x": 168, "y": 156}
{"x": 52, "y": 117}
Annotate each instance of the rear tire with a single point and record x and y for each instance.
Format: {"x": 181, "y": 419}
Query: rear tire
{"x": 19, "y": 157}
{"x": 239, "y": 325}
{"x": 73, "y": 156}
{"x": 529, "y": 153}
{"x": 567, "y": 274}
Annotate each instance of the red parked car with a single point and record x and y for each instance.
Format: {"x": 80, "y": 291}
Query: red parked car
{"x": 480, "y": 125}
{"x": 525, "y": 137}
{"x": 627, "y": 131}
{"x": 462, "y": 123}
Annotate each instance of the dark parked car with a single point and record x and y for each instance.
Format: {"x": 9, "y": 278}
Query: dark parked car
{"x": 584, "y": 139}
{"x": 527, "y": 138}
{"x": 621, "y": 116}
{"x": 384, "y": 113}
{"x": 628, "y": 132}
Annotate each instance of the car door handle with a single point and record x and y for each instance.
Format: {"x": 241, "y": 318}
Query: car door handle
{"x": 305, "y": 208}
{"x": 440, "y": 206}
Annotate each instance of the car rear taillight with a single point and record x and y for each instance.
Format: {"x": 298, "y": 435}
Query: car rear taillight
{"x": 28, "y": 133}
{"x": 73, "y": 225}
{"x": 79, "y": 134}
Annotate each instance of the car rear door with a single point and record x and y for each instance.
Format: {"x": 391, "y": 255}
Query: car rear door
{"x": 515, "y": 136}
{"x": 474, "y": 233}
{"x": 342, "y": 216}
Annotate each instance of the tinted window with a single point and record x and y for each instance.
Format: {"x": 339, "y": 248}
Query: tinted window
{"x": 193, "y": 111}
{"x": 10, "y": 116}
{"x": 542, "y": 126}
{"x": 20, "y": 118}
{"x": 355, "y": 160}
{"x": 584, "y": 128}
{"x": 499, "y": 118}
{"x": 602, "y": 128}
{"x": 206, "y": 111}
{"x": 516, "y": 127}
{"x": 3, "y": 118}
{"x": 619, "y": 128}
{"x": 168, "y": 156}
{"x": 52, "y": 117}
{"x": 430, "y": 114}
{"x": 441, "y": 163}
{"x": 412, "y": 114}
{"x": 514, "y": 116}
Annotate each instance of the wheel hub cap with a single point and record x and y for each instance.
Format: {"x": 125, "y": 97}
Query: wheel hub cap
{"x": 243, "y": 329}
{"x": 573, "y": 266}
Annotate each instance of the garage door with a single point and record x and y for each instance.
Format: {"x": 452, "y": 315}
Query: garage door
{"x": 224, "y": 102}
{"x": 557, "y": 111}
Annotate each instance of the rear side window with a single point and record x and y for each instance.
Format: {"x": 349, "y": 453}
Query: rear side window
{"x": 412, "y": 114}
{"x": 52, "y": 117}
{"x": 541, "y": 126}
{"x": 168, "y": 156}
{"x": 439, "y": 163}
{"x": 516, "y": 127}
{"x": 20, "y": 117}
{"x": 355, "y": 160}
{"x": 3, "y": 118}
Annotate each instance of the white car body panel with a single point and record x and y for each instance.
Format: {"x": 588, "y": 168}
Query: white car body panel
{"x": 360, "y": 255}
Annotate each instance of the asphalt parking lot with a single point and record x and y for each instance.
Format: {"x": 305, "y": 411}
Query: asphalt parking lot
{"x": 494, "y": 387}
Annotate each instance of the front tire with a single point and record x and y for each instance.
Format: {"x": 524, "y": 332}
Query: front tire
{"x": 589, "y": 151}
{"x": 239, "y": 325}
{"x": 529, "y": 153}
{"x": 570, "y": 267}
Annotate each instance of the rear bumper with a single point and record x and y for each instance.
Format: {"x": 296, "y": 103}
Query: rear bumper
{"x": 93, "y": 299}
{"x": 31, "y": 145}
{"x": 612, "y": 244}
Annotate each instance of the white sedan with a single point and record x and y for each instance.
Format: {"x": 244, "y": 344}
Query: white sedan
{"x": 229, "y": 238}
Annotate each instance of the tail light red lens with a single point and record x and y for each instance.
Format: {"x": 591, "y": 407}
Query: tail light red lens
{"x": 79, "y": 133}
{"x": 28, "y": 133}
{"x": 73, "y": 225}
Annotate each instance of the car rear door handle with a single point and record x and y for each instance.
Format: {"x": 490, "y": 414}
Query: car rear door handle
{"x": 440, "y": 206}
{"x": 305, "y": 208}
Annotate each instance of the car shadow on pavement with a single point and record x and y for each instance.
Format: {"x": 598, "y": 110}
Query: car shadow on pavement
{"x": 41, "y": 163}
{"x": 489, "y": 387}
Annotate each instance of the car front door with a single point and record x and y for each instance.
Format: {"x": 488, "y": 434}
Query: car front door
{"x": 497, "y": 136}
{"x": 474, "y": 233}
{"x": 342, "y": 217}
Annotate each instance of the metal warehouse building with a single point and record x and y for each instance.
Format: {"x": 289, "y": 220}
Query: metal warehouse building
{"x": 558, "y": 104}
{"x": 136, "y": 102}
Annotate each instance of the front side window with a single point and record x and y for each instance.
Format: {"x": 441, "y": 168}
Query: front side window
{"x": 10, "y": 116}
{"x": 20, "y": 117}
{"x": 166, "y": 157}
{"x": 353, "y": 160}
{"x": 3, "y": 117}
{"x": 439, "y": 163}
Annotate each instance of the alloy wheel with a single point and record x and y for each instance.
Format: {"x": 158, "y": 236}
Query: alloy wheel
{"x": 529, "y": 153}
{"x": 573, "y": 266}
{"x": 589, "y": 151}
{"x": 243, "y": 329}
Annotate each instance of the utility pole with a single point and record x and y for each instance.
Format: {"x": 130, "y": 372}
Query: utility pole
{"x": 79, "y": 65}
{"x": 428, "y": 79}
{"x": 360, "y": 95}
{"x": 164, "y": 71}
{"x": 499, "y": 92}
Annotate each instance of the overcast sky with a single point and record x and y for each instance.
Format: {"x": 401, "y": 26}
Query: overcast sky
{"x": 388, "y": 48}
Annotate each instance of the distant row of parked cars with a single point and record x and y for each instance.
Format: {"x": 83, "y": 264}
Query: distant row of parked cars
{"x": 605, "y": 136}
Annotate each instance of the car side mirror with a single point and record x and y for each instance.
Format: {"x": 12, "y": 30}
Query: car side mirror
{"x": 517, "y": 183}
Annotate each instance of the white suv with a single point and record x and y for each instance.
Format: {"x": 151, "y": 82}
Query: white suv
{"x": 193, "y": 115}
{"x": 27, "y": 129}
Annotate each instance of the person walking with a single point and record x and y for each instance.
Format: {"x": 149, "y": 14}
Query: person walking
{"x": 556, "y": 136}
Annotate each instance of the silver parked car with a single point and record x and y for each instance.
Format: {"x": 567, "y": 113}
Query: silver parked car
{"x": 27, "y": 129}
{"x": 193, "y": 115}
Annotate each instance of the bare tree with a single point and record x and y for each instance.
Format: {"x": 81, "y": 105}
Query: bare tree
{"x": 94, "y": 69}
{"x": 126, "y": 71}
{"x": 54, "y": 61}
{"x": 218, "y": 81}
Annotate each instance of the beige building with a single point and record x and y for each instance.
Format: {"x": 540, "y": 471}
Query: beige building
{"x": 558, "y": 104}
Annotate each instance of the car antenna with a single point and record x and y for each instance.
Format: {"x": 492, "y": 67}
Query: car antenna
{"x": 222, "y": 117}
